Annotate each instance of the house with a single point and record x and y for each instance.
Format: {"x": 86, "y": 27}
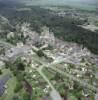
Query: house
{"x": 47, "y": 37}
{"x": 11, "y": 34}
{"x": 20, "y": 44}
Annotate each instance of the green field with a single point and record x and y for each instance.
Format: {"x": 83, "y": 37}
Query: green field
{"x": 10, "y": 85}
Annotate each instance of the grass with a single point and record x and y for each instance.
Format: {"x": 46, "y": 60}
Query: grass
{"x": 71, "y": 97}
{"x": 10, "y": 91}
{"x": 10, "y": 84}
{"x": 4, "y": 72}
{"x": 48, "y": 74}
{"x": 37, "y": 87}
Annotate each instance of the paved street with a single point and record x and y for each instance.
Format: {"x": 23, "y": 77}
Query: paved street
{"x": 6, "y": 44}
{"x": 19, "y": 51}
{"x": 71, "y": 77}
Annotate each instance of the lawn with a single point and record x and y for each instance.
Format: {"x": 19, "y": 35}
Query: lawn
{"x": 4, "y": 72}
{"x": 71, "y": 97}
{"x": 10, "y": 85}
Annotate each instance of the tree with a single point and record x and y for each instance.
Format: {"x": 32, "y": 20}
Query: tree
{"x": 0, "y": 72}
{"x": 57, "y": 76}
{"x": 21, "y": 66}
{"x": 15, "y": 97}
{"x": 2, "y": 51}
{"x": 20, "y": 76}
{"x": 50, "y": 47}
{"x": 40, "y": 53}
{"x": 26, "y": 96}
{"x": 18, "y": 87}
{"x": 66, "y": 93}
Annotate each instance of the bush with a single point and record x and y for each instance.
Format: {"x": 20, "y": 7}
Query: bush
{"x": 26, "y": 96}
{"x": 15, "y": 98}
{"x": 40, "y": 53}
{"x": 21, "y": 66}
{"x": 0, "y": 72}
{"x": 18, "y": 87}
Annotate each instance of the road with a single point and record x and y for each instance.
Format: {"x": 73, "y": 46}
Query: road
{"x": 22, "y": 50}
{"x": 71, "y": 77}
{"x": 6, "y": 44}
{"x": 45, "y": 78}
{"x": 15, "y": 53}
{"x": 54, "y": 94}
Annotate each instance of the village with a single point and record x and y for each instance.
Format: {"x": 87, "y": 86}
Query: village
{"x": 55, "y": 68}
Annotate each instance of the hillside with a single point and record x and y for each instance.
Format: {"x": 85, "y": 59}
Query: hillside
{"x": 63, "y": 27}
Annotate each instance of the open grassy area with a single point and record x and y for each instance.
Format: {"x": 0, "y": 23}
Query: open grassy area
{"x": 10, "y": 91}
{"x": 48, "y": 74}
{"x": 37, "y": 82}
{"x": 10, "y": 85}
{"x": 71, "y": 97}
{"x": 4, "y": 72}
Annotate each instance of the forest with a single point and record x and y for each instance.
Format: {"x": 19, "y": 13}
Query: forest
{"x": 63, "y": 27}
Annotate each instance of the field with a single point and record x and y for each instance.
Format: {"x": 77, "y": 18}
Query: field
{"x": 10, "y": 85}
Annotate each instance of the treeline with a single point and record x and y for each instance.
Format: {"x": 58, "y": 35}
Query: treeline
{"x": 63, "y": 27}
